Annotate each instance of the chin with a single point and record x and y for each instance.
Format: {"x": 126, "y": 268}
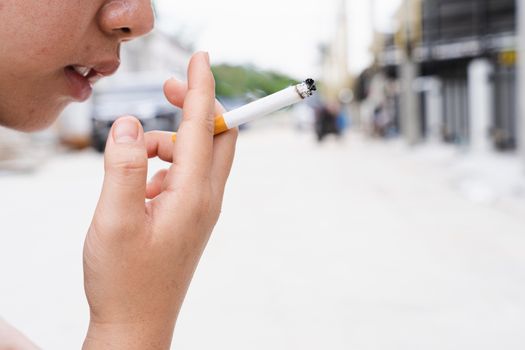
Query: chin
{"x": 35, "y": 119}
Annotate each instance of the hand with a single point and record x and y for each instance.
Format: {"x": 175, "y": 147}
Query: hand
{"x": 139, "y": 257}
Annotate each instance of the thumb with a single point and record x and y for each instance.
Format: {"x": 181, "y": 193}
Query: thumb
{"x": 126, "y": 167}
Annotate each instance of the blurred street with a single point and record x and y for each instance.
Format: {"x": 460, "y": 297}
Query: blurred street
{"x": 352, "y": 244}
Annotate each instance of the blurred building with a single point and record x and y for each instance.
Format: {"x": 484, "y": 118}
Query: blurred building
{"x": 334, "y": 59}
{"x": 454, "y": 61}
{"x": 332, "y": 107}
{"x": 156, "y": 52}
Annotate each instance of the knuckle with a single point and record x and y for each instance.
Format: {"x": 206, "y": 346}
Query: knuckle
{"x": 127, "y": 164}
{"x": 208, "y": 124}
{"x": 201, "y": 123}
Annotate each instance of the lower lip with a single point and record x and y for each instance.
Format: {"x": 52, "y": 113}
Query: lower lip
{"x": 80, "y": 88}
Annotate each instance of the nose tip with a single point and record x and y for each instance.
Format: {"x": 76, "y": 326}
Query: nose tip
{"x": 128, "y": 19}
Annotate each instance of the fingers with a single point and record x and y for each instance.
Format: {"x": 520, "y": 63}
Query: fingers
{"x": 176, "y": 90}
{"x": 223, "y": 155}
{"x": 126, "y": 164}
{"x": 156, "y": 184}
{"x": 194, "y": 147}
{"x": 160, "y": 144}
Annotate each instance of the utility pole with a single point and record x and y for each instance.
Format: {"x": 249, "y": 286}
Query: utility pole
{"x": 408, "y": 72}
{"x": 343, "y": 40}
{"x": 373, "y": 15}
{"x": 520, "y": 6}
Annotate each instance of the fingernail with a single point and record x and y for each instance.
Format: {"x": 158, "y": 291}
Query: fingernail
{"x": 126, "y": 131}
{"x": 207, "y": 56}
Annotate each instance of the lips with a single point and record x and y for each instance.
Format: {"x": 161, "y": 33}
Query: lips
{"x": 83, "y": 71}
{"x": 81, "y": 78}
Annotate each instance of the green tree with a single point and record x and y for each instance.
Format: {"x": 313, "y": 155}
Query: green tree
{"x": 238, "y": 81}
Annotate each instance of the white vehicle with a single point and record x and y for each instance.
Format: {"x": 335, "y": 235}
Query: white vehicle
{"x": 137, "y": 94}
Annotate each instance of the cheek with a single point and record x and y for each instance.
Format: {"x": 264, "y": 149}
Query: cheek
{"x": 38, "y": 39}
{"x": 42, "y": 35}
{"x": 53, "y": 50}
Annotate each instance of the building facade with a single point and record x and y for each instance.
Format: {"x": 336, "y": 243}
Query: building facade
{"x": 464, "y": 54}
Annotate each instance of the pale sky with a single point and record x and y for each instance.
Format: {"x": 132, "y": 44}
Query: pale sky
{"x": 276, "y": 34}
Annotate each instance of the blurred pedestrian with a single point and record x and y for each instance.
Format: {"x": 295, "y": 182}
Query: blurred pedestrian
{"x": 326, "y": 121}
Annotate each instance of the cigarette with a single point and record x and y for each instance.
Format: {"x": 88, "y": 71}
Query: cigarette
{"x": 262, "y": 107}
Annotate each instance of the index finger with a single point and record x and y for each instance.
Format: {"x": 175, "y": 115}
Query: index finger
{"x": 194, "y": 147}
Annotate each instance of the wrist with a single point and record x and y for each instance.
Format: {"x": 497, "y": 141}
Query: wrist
{"x": 129, "y": 336}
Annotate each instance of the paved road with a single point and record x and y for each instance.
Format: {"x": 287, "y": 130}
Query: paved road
{"x": 352, "y": 245}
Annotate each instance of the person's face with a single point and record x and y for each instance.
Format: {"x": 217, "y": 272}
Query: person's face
{"x": 43, "y": 41}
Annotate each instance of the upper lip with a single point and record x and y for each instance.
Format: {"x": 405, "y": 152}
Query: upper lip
{"x": 100, "y": 69}
{"x": 107, "y": 68}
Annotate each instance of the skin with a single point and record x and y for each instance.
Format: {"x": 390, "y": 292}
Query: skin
{"x": 41, "y": 37}
{"x": 145, "y": 239}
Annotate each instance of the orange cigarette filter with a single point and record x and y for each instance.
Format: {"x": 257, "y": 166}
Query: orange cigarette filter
{"x": 220, "y": 127}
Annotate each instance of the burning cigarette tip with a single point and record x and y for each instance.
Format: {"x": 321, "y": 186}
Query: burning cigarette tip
{"x": 306, "y": 88}
{"x": 311, "y": 84}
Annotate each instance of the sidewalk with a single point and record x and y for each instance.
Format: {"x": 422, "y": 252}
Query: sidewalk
{"x": 354, "y": 245}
